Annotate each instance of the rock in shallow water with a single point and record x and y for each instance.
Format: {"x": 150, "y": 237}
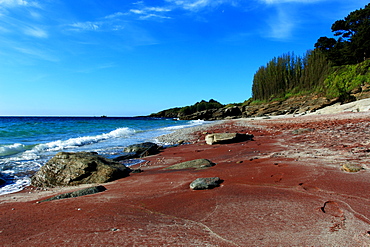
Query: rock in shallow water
{"x": 205, "y": 183}
{"x": 66, "y": 169}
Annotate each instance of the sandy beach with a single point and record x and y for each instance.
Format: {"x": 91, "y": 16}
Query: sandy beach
{"x": 286, "y": 187}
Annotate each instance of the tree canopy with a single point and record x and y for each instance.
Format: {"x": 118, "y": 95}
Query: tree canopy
{"x": 353, "y": 43}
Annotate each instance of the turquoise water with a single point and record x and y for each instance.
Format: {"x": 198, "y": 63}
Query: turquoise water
{"x": 27, "y": 143}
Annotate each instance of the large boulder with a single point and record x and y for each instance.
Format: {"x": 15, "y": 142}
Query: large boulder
{"x": 66, "y": 169}
{"x": 198, "y": 163}
{"x": 221, "y": 138}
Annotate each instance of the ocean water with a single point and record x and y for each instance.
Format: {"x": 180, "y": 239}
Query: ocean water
{"x": 27, "y": 143}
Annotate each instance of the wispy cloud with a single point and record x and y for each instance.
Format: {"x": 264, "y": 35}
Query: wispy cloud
{"x": 290, "y": 1}
{"x": 37, "y": 53}
{"x": 15, "y": 3}
{"x": 281, "y": 25}
{"x": 36, "y": 32}
{"x": 195, "y": 5}
{"x": 286, "y": 20}
{"x": 144, "y": 12}
{"x": 85, "y": 26}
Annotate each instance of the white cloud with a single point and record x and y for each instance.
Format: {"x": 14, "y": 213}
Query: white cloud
{"x": 195, "y": 5}
{"x": 85, "y": 26}
{"x": 158, "y": 9}
{"x": 115, "y": 15}
{"x": 290, "y": 1}
{"x": 37, "y": 53}
{"x": 14, "y": 3}
{"x": 36, "y": 32}
{"x": 137, "y": 11}
{"x": 281, "y": 25}
{"x": 143, "y": 17}
{"x": 151, "y": 12}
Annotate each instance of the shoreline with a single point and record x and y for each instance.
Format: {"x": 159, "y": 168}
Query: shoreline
{"x": 286, "y": 187}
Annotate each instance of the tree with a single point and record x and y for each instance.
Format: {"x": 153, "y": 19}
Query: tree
{"x": 353, "y": 44}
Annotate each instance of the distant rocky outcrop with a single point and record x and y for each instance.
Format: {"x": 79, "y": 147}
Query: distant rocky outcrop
{"x": 294, "y": 105}
{"x": 205, "y": 183}
{"x": 222, "y": 138}
{"x": 66, "y": 169}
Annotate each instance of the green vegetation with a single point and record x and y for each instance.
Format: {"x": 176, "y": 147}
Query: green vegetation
{"x": 187, "y": 110}
{"x": 333, "y": 69}
{"x": 200, "y": 106}
{"x": 290, "y": 75}
{"x": 353, "y": 44}
{"x": 346, "y": 78}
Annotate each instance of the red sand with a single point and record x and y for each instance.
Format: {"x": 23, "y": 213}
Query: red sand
{"x": 281, "y": 189}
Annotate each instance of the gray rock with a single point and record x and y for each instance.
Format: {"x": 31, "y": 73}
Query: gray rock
{"x": 83, "y": 192}
{"x": 198, "y": 163}
{"x": 142, "y": 149}
{"x": 205, "y": 183}
{"x": 66, "y": 169}
{"x": 222, "y": 138}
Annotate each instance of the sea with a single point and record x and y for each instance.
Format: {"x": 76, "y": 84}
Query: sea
{"x": 27, "y": 143}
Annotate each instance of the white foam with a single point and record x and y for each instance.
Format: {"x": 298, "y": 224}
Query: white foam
{"x": 190, "y": 124}
{"x": 79, "y": 141}
{"x": 12, "y": 149}
{"x": 18, "y": 185}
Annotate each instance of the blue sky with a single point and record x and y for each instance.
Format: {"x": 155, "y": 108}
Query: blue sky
{"x": 126, "y": 58}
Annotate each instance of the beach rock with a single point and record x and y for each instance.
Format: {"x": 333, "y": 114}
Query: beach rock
{"x": 142, "y": 149}
{"x": 198, "y": 163}
{"x": 222, "y": 138}
{"x": 66, "y": 169}
{"x": 82, "y": 192}
{"x": 352, "y": 167}
{"x": 205, "y": 183}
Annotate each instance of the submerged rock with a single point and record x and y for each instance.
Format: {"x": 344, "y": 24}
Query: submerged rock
{"x": 222, "y": 138}
{"x": 205, "y": 183}
{"x": 198, "y": 163}
{"x": 66, "y": 169}
{"x": 82, "y": 192}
